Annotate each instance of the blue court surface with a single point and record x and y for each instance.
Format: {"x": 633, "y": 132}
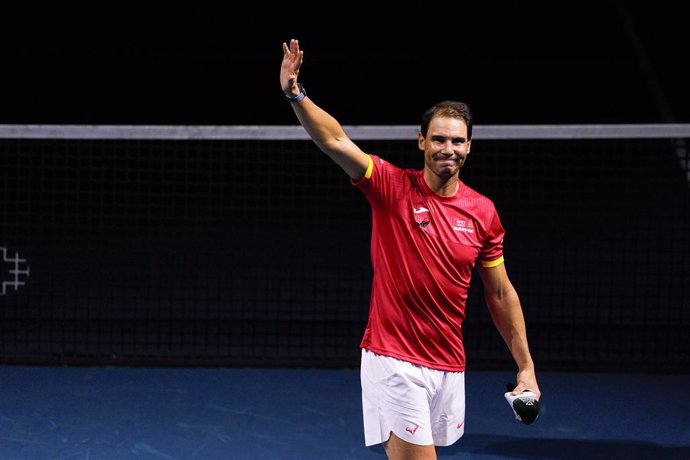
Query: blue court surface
{"x": 218, "y": 413}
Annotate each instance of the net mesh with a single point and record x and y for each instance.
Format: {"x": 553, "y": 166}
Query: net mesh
{"x": 249, "y": 252}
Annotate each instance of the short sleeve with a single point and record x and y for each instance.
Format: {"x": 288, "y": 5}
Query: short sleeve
{"x": 491, "y": 253}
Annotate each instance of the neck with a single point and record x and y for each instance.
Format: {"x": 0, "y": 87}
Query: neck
{"x": 441, "y": 186}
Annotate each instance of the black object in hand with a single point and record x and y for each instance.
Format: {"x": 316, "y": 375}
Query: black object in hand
{"x": 525, "y": 405}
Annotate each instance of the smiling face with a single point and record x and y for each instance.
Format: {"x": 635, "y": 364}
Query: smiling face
{"x": 446, "y": 146}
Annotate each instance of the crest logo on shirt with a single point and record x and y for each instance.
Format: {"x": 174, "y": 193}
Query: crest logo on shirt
{"x": 421, "y": 215}
{"x": 465, "y": 226}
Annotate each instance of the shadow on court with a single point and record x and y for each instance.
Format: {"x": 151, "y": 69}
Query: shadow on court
{"x": 506, "y": 447}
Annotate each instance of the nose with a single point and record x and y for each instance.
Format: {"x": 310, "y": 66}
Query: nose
{"x": 448, "y": 146}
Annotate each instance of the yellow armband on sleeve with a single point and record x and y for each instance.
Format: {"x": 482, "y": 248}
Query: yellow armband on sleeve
{"x": 370, "y": 168}
{"x": 492, "y": 263}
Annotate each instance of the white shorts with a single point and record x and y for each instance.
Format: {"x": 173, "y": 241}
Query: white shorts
{"x": 420, "y": 405}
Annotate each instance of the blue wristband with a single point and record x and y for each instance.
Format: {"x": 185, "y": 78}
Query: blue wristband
{"x": 302, "y": 94}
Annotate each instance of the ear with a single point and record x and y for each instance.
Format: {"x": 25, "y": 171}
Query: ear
{"x": 469, "y": 146}
{"x": 420, "y": 140}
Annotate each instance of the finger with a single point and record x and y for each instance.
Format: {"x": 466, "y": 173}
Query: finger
{"x": 523, "y": 402}
{"x": 525, "y": 406}
{"x": 518, "y": 389}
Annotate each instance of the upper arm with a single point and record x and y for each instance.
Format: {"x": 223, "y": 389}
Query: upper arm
{"x": 348, "y": 156}
{"x": 495, "y": 280}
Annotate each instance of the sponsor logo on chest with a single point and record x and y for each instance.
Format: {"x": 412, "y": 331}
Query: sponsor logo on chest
{"x": 464, "y": 226}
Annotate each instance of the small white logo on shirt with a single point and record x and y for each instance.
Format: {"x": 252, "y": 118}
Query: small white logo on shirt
{"x": 419, "y": 210}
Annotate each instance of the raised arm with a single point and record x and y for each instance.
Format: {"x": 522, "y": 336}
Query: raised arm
{"x": 324, "y": 130}
{"x": 506, "y": 312}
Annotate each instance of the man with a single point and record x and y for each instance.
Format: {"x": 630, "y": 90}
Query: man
{"x": 429, "y": 229}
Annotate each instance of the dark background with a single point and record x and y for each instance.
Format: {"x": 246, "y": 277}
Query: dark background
{"x": 244, "y": 252}
{"x": 514, "y": 62}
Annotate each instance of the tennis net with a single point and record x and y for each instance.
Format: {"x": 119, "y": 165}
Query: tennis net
{"x": 245, "y": 246}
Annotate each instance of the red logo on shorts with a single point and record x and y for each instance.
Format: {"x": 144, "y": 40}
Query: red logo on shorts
{"x": 412, "y": 431}
{"x": 460, "y": 425}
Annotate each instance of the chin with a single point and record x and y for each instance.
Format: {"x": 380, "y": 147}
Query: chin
{"x": 448, "y": 173}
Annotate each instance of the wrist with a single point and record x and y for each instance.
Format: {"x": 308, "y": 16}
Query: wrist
{"x": 299, "y": 96}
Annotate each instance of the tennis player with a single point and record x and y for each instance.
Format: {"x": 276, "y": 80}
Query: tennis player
{"x": 429, "y": 232}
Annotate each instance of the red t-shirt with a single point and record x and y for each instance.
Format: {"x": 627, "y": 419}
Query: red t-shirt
{"x": 423, "y": 249}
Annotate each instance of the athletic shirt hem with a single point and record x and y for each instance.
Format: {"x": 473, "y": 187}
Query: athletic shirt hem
{"x": 414, "y": 360}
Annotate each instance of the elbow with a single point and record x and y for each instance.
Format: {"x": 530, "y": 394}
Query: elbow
{"x": 327, "y": 145}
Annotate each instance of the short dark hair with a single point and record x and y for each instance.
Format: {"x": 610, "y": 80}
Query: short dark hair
{"x": 450, "y": 109}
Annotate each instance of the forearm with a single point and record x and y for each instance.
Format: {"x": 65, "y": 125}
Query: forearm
{"x": 322, "y": 127}
{"x": 507, "y": 315}
{"x": 506, "y": 312}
